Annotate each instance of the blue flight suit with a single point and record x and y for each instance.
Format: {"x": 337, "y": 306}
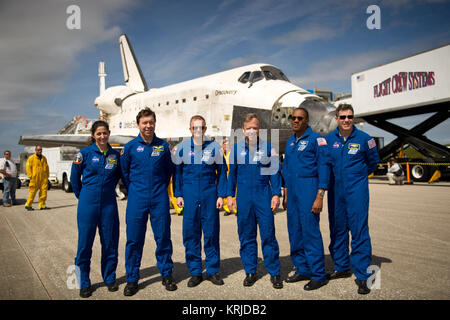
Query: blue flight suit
{"x": 97, "y": 207}
{"x": 146, "y": 169}
{"x": 304, "y": 172}
{"x": 256, "y": 175}
{"x": 201, "y": 177}
{"x": 350, "y": 161}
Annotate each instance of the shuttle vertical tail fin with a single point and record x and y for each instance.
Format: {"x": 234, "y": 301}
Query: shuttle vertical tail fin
{"x": 131, "y": 71}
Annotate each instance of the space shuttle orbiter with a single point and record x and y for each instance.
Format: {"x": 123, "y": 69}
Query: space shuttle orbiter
{"x": 222, "y": 99}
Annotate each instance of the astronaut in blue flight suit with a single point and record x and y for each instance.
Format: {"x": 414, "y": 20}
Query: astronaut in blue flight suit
{"x": 200, "y": 185}
{"x": 98, "y": 164}
{"x": 254, "y": 170}
{"x": 352, "y": 157}
{"x": 305, "y": 176}
{"x": 146, "y": 168}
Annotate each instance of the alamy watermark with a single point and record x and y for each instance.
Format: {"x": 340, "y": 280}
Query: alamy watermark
{"x": 73, "y": 21}
{"x": 374, "y": 281}
{"x": 374, "y": 20}
{"x": 73, "y": 279}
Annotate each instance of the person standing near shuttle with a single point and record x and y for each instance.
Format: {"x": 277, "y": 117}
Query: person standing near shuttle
{"x": 147, "y": 167}
{"x": 94, "y": 176}
{"x": 352, "y": 157}
{"x": 9, "y": 171}
{"x": 254, "y": 170}
{"x": 200, "y": 185}
{"x": 38, "y": 172}
{"x": 304, "y": 172}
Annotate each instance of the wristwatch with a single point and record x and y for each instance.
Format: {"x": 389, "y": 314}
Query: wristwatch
{"x": 321, "y": 192}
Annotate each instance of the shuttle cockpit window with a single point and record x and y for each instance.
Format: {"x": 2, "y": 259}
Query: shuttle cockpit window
{"x": 256, "y": 76}
{"x": 269, "y": 75}
{"x": 272, "y": 73}
{"x": 244, "y": 78}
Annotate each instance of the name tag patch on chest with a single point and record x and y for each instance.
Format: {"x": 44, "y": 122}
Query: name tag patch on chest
{"x": 353, "y": 148}
{"x": 156, "y": 151}
{"x": 112, "y": 159}
{"x": 302, "y": 145}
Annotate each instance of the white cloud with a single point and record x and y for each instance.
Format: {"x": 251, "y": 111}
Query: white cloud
{"x": 38, "y": 52}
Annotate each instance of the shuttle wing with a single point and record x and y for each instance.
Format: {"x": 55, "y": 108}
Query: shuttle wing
{"x": 75, "y": 140}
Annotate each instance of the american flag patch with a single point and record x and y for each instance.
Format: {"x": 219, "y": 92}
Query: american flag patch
{"x": 371, "y": 143}
{"x": 321, "y": 141}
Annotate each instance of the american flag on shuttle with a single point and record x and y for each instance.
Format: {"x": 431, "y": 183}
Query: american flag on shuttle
{"x": 371, "y": 143}
{"x": 360, "y": 77}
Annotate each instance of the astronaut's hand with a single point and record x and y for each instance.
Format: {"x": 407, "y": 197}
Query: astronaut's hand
{"x": 219, "y": 203}
{"x": 231, "y": 204}
{"x": 275, "y": 202}
{"x": 317, "y": 205}
{"x": 180, "y": 202}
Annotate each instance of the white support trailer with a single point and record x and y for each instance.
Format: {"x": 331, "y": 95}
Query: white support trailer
{"x": 418, "y": 84}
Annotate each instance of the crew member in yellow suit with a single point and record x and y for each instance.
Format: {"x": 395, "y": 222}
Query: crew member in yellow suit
{"x": 172, "y": 199}
{"x": 38, "y": 172}
{"x": 226, "y": 153}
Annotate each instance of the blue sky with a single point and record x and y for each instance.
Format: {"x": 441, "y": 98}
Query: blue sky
{"x": 50, "y": 73}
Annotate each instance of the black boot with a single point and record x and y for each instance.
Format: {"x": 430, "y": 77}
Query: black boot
{"x": 296, "y": 277}
{"x": 169, "y": 283}
{"x": 250, "y": 279}
{"x": 194, "y": 281}
{"x": 216, "y": 279}
{"x": 86, "y": 292}
{"x": 276, "y": 282}
{"x": 314, "y": 284}
{"x": 362, "y": 286}
{"x": 130, "y": 289}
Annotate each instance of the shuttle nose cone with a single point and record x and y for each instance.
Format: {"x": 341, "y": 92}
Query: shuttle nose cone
{"x": 321, "y": 113}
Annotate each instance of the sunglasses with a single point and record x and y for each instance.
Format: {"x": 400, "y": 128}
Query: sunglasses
{"x": 297, "y": 118}
{"x": 350, "y": 117}
{"x": 198, "y": 128}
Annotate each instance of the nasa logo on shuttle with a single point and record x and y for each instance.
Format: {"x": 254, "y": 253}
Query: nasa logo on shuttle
{"x": 120, "y": 125}
{"x": 303, "y": 145}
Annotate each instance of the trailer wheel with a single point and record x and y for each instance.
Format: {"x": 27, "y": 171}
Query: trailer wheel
{"x": 67, "y": 187}
{"x": 421, "y": 173}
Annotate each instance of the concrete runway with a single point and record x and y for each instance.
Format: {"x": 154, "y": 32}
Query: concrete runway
{"x": 409, "y": 227}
